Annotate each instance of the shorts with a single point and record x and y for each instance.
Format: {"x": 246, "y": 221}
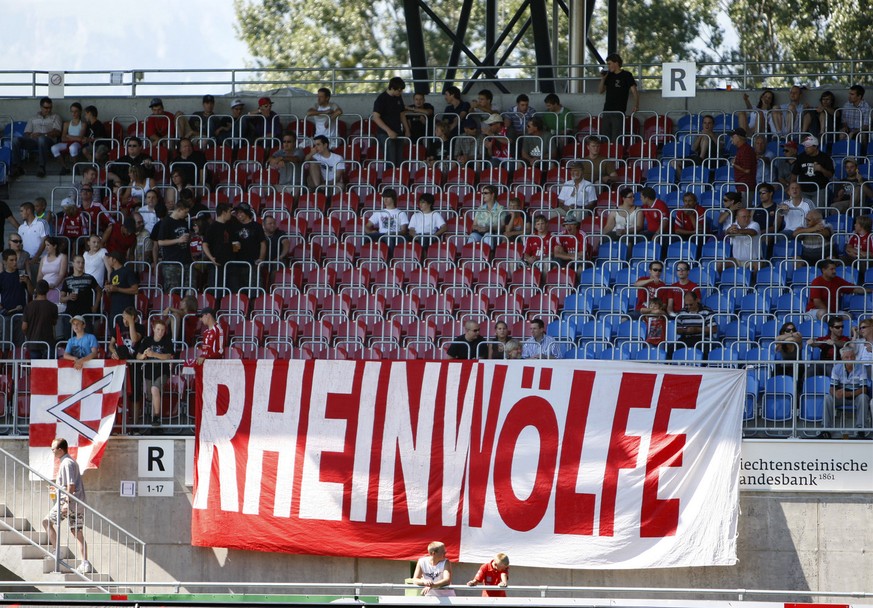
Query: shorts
{"x": 157, "y": 383}
{"x": 76, "y": 515}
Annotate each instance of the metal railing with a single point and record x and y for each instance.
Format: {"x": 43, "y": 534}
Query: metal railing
{"x": 114, "y": 553}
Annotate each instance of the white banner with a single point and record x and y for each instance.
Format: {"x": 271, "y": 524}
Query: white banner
{"x": 780, "y": 465}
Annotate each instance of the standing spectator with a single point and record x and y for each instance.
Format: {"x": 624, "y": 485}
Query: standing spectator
{"x": 15, "y": 286}
{"x": 217, "y": 246}
{"x": 469, "y": 345}
{"x": 648, "y": 289}
{"x": 33, "y": 233}
{"x": 488, "y": 219}
{"x": 617, "y": 84}
{"x": 69, "y": 479}
{"x": 577, "y": 193}
{"x": 121, "y": 237}
{"x": 126, "y": 335}
{"x": 854, "y": 115}
{"x": 40, "y": 133}
{"x": 494, "y": 573}
{"x": 426, "y": 225}
{"x": 251, "y": 249}
{"x": 95, "y": 259}
{"x": 469, "y": 147}
{"x": 187, "y": 321}
{"x": 42, "y": 213}
{"x": 417, "y": 118}
{"x": 326, "y": 167}
{"x": 850, "y": 388}
{"x": 160, "y": 124}
{"x": 6, "y": 214}
{"x": 324, "y": 114}
{"x": 152, "y": 207}
{"x": 74, "y": 224}
{"x": 387, "y": 113}
{"x": 434, "y": 571}
{"x": 72, "y": 136}
{"x": 173, "y": 239}
{"x": 515, "y": 119}
{"x": 157, "y": 347}
{"x": 539, "y": 345}
{"x": 81, "y": 347}
{"x": 826, "y": 290}
{"x": 745, "y": 164}
{"x": 456, "y": 110}
{"x": 122, "y": 286}
{"x": 144, "y": 244}
{"x": 15, "y": 244}
{"x": 53, "y": 265}
{"x": 212, "y": 339}
{"x": 813, "y": 170}
{"x": 40, "y": 318}
{"x": 80, "y": 293}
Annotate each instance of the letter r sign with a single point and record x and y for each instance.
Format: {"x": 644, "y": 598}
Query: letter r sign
{"x": 155, "y": 458}
{"x": 679, "y": 79}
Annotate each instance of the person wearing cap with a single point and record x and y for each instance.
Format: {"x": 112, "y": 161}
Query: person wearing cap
{"x": 417, "y": 118}
{"x": 617, "y": 84}
{"x": 212, "y": 338}
{"x": 160, "y": 124}
{"x": 74, "y": 224}
{"x": 173, "y": 238}
{"x": 855, "y": 114}
{"x": 121, "y": 237}
{"x": 119, "y": 172}
{"x": 324, "y": 114}
{"x": 249, "y": 245}
{"x": 495, "y": 141}
{"x": 122, "y": 285}
{"x": 82, "y": 346}
{"x": 571, "y": 244}
{"x": 783, "y": 164}
{"x": 326, "y": 167}
{"x": 388, "y": 110}
{"x": 40, "y": 133}
{"x": 813, "y": 170}
{"x": 745, "y": 163}
{"x": 597, "y": 168}
{"x": 234, "y": 126}
{"x": 263, "y": 123}
{"x": 577, "y": 193}
{"x": 38, "y": 325}
{"x": 853, "y": 189}
{"x": 206, "y": 123}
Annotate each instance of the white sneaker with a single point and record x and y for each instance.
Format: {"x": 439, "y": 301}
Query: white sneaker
{"x": 85, "y": 567}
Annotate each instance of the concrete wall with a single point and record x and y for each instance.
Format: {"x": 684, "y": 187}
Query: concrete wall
{"x": 801, "y": 542}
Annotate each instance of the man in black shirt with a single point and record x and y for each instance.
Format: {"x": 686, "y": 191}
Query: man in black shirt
{"x": 469, "y": 345}
{"x": 173, "y": 238}
{"x": 122, "y": 286}
{"x": 119, "y": 171}
{"x": 249, "y": 245}
{"x": 217, "y": 244}
{"x": 617, "y": 84}
{"x": 80, "y": 293}
{"x": 40, "y": 318}
{"x": 388, "y": 115}
{"x": 813, "y": 170}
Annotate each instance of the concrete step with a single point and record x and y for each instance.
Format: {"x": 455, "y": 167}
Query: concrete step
{"x": 31, "y": 552}
{"x": 4, "y": 512}
{"x": 97, "y": 577}
{"x": 14, "y": 538}
{"x": 15, "y": 523}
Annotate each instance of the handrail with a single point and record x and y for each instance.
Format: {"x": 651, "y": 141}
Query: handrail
{"x": 114, "y": 551}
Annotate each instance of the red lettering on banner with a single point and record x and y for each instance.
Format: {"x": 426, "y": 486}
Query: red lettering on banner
{"x": 635, "y": 392}
{"x": 482, "y": 443}
{"x": 661, "y": 517}
{"x": 574, "y": 512}
{"x": 526, "y": 514}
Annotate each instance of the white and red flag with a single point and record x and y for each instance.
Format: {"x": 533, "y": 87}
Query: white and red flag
{"x": 78, "y": 405}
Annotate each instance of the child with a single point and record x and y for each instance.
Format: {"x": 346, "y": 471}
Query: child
{"x": 495, "y": 572}
{"x": 656, "y": 322}
{"x": 434, "y": 571}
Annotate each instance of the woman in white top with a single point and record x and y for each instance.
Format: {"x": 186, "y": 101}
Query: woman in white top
{"x": 95, "y": 260}
{"x": 627, "y": 219}
{"x": 140, "y": 184}
{"x": 53, "y": 265}
{"x": 434, "y": 571}
{"x": 72, "y": 136}
{"x": 763, "y": 118}
{"x": 426, "y": 225}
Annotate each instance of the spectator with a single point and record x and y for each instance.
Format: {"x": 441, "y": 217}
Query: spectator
{"x": 512, "y": 350}
{"x": 571, "y": 245}
{"x": 72, "y": 136}
{"x": 518, "y": 115}
{"x": 69, "y": 480}
{"x": 494, "y": 573}
{"x": 676, "y": 299}
{"x": 236, "y": 132}
{"x": 689, "y": 220}
{"x": 627, "y": 219}
{"x": 469, "y": 147}
{"x": 814, "y": 238}
{"x": 388, "y": 110}
{"x": 825, "y": 291}
{"x": 763, "y": 118}
{"x": 81, "y": 294}
{"x": 417, "y": 118}
{"x": 796, "y": 115}
{"x": 426, "y": 226}
{"x": 538, "y": 246}
{"x": 655, "y": 213}
{"x": 830, "y": 345}
{"x": 497, "y": 346}
{"x": 764, "y": 172}
{"x": 144, "y": 243}
{"x": 558, "y": 120}
{"x": 217, "y": 246}
{"x": 93, "y": 149}
{"x": 539, "y": 345}
{"x": 784, "y": 165}
{"x": 794, "y": 210}
{"x": 277, "y": 246}
{"x": 577, "y": 193}
{"x": 150, "y": 209}
{"x": 160, "y": 124}
{"x": 745, "y": 238}
{"x": 389, "y": 223}
{"x": 434, "y": 571}
{"x": 469, "y": 345}
{"x": 157, "y": 347}
{"x": 745, "y": 163}
{"x": 853, "y": 190}
{"x": 40, "y": 318}
{"x": 705, "y": 144}
{"x": 121, "y": 237}
{"x": 122, "y": 286}
{"x": 860, "y": 245}
{"x": 96, "y": 263}
{"x": 81, "y": 347}
{"x": 98, "y": 216}
{"x": 617, "y": 84}
{"x": 694, "y": 322}
{"x": 325, "y": 166}
{"x": 850, "y": 388}
{"x": 126, "y": 336}
{"x": 15, "y": 286}
{"x": 768, "y": 217}
{"x": 456, "y": 110}
{"x": 863, "y": 340}
{"x": 52, "y": 265}
{"x": 40, "y": 133}
{"x": 516, "y": 220}
{"x": 173, "y": 239}
{"x": 813, "y": 169}
{"x": 828, "y": 122}
{"x": 484, "y": 103}
{"x": 119, "y": 171}
{"x": 324, "y": 114}
{"x": 42, "y": 213}
{"x": 15, "y": 244}
{"x": 191, "y": 162}
{"x": 187, "y": 320}
{"x": 6, "y": 214}
{"x": 656, "y": 322}
{"x": 787, "y": 346}
{"x": 287, "y": 163}
{"x": 33, "y": 233}
{"x": 854, "y": 115}
{"x": 439, "y": 147}
{"x": 206, "y": 123}
{"x": 648, "y": 289}
{"x": 73, "y": 224}
{"x": 599, "y": 169}
{"x": 488, "y": 219}
{"x": 212, "y": 339}
{"x": 495, "y": 141}
{"x": 250, "y": 247}
{"x": 179, "y": 183}
{"x": 536, "y": 142}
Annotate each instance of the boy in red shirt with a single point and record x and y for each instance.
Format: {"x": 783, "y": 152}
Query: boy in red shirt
{"x": 212, "y": 339}
{"x": 495, "y": 572}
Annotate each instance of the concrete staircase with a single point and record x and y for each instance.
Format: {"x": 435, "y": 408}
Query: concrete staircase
{"x": 24, "y": 552}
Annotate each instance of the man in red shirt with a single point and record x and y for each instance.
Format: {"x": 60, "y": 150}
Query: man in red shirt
{"x": 689, "y": 220}
{"x": 745, "y": 164}
{"x": 655, "y": 213}
{"x": 571, "y": 245}
{"x": 859, "y": 247}
{"x": 825, "y": 291}
{"x": 648, "y": 288}
{"x": 212, "y": 339}
{"x": 675, "y": 294}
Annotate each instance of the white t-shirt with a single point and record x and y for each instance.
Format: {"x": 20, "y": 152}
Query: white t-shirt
{"x": 745, "y": 247}
{"x": 322, "y": 122}
{"x": 389, "y": 221}
{"x": 94, "y": 265}
{"x": 329, "y": 166}
{"x": 795, "y": 217}
{"x": 32, "y": 235}
{"x": 426, "y": 223}
{"x": 577, "y": 195}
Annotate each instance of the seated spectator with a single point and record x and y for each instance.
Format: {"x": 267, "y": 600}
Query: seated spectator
{"x": 53, "y": 264}
{"x": 516, "y": 220}
{"x": 140, "y": 184}
{"x": 745, "y": 238}
{"x": 72, "y": 137}
{"x": 695, "y": 322}
{"x": 860, "y": 245}
{"x": 212, "y": 338}
{"x": 187, "y": 320}
{"x": 152, "y": 208}
{"x": 497, "y": 345}
{"x": 287, "y": 162}
{"x": 469, "y": 345}
{"x": 98, "y": 216}
{"x": 627, "y": 219}
{"x": 853, "y": 190}
{"x": 417, "y": 118}
{"x": 512, "y": 350}
{"x": 796, "y": 115}
{"x": 495, "y": 140}
{"x": 160, "y": 124}
{"x": 656, "y": 322}
{"x": 468, "y": 147}
{"x": 862, "y": 339}
{"x": 649, "y": 286}
{"x": 825, "y": 291}
{"x": 426, "y": 226}
{"x": 15, "y": 287}
{"x": 675, "y": 295}
{"x": 539, "y": 345}
{"x": 813, "y": 170}
{"x": 40, "y": 134}
{"x": 119, "y": 171}
{"x": 689, "y": 221}
{"x": 40, "y": 318}
{"x": 763, "y": 118}
{"x": 768, "y": 217}
{"x": 179, "y": 184}
{"x": 206, "y": 123}
{"x": 190, "y": 161}
{"x": 488, "y": 219}
{"x": 277, "y": 246}
{"x": 324, "y": 114}
{"x": 764, "y": 157}
{"x": 439, "y": 148}
{"x": 828, "y": 120}
{"x": 157, "y": 347}
{"x": 655, "y": 213}
{"x": 558, "y": 119}
{"x": 794, "y": 210}
{"x": 517, "y": 116}
{"x": 536, "y": 142}
{"x": 599, "y": 169}
{"x": 127, "y": 334}
{"x": 784, "y": 165}
{"x": 787, "y": 345}
{"x": 830, "y": 346}
{"x": 389, "y": 223}
{"x": 855, "y": 114}
{"x": 81, "y": 347}
{"x": 262, "y": 124}
{"x": 15, "y": 244}
{"x": 538, "y": 246}
{"x": 484, "y": 103}
{"x": 850, "y": 388}
{"x": 577, "y": 193}
{"x": 705, "y": 144}
{"x": 325, "y": 166}
{"x": 93, "y": 148}
{"x": 814, "y": 238}
{"x": 571, "y": 245}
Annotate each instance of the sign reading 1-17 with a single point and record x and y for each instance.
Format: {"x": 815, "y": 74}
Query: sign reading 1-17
{"x": 156, "y": 488}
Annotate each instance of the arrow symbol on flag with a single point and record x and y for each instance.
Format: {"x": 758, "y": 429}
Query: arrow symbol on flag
{"x": 60, "y": 412}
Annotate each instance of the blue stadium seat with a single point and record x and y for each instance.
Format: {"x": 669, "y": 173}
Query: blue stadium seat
{"x": 811, "y": 405}
{"x": 778, "y": 400}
